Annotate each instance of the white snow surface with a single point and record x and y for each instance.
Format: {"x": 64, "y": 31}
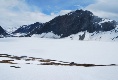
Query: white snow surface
{"x": 109, "y": 36}
{"x": 47, "y": 35}
{"x": 91, "y": 52}
{"x": 61, "y": 49}
{"x": 18, "y": 34}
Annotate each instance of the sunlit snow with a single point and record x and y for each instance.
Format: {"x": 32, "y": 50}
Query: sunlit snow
{"x": 92, "y": 52}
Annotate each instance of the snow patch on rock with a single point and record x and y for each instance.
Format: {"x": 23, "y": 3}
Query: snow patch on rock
{"x": 105, "y": 20}
{"x": 77, "y": 36}
{"x": 97, "y": 36}
{"x": 19, "y": 34}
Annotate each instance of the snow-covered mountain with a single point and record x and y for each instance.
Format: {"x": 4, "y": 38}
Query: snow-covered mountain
{"x": 26, "y": 29}
{"x": 10, "y": 30}
{"x": 77, "y": 21}
{"x": 79, "y": 24}
{"x": 111, "y": 35}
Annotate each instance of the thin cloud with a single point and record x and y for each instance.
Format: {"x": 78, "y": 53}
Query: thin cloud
{"x": 14, "y": 13}
{"x": 105, "y": 9}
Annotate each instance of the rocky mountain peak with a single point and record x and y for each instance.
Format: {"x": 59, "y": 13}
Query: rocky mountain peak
{"x": 75, "y": 22}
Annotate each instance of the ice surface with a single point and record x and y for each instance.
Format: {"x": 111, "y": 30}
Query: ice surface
{"x": 93, "y": 52}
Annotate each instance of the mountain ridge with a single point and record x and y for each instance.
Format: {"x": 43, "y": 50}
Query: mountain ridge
{"x": 66, "y": 25}
{"x": 26, "y": 29}
{"x": 75, "y": 22}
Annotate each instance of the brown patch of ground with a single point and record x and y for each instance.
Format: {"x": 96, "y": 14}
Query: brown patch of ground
{"x": 44, "y": 61}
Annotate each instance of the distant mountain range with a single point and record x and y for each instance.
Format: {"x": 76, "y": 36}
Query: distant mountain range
{"x": 79, "y": 23}
{"x": 27, "y": 29}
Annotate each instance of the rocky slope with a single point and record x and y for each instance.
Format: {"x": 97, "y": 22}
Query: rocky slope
{"x": 77, "y": 21}
{"x": 2, "y": 32}
{"x": 27, "y": 29}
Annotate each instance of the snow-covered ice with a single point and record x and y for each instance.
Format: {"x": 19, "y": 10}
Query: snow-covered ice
{"x": 91, "y": 52}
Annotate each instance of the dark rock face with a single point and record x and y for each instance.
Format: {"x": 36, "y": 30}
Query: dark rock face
{"x": 75, "y": 22}
{"x": 28, "y": 29}
{"x": 107, "y": 26}
{"x": 81, "y": 37}
{"x": 2, "y": 32}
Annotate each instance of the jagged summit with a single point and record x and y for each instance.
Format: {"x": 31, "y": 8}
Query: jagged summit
{"x": 75, "y": 22}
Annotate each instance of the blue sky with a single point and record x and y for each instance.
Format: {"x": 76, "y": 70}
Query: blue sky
{"x": 49, "y": 6}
